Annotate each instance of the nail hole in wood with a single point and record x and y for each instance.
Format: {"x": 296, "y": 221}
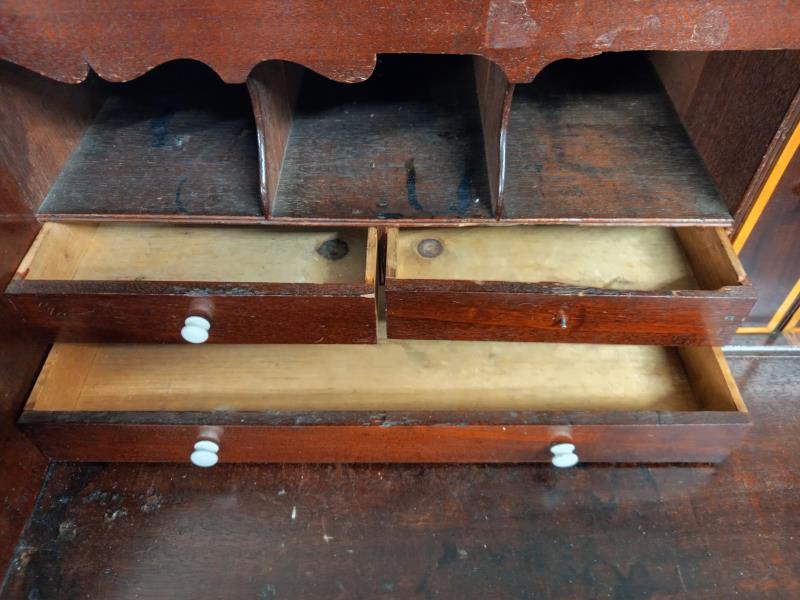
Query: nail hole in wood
{"x": 430, "y": 248}
{"x": 333, "y": 249}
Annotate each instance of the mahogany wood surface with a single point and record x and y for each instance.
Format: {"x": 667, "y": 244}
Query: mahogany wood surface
{"x": 427, "y": 309}
{"x": 273, "y": 88}
{"x": 416, "y": 531}
{"x": 494, "y": 99}
{"x": 704, "y": 436}
{"x": 41, "y": 121}
{"x": 154, "y": 312}
{"x": 532, "y": 307}
{"x": 123, "y": 41}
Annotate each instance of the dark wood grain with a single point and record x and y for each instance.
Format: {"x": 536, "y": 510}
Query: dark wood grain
{"x": 771, "y": 253}
{"x": 430, "y": 309}
{"x": 500, "y": 531}
{"x": 41, "y": 122}
{"x": 735, "y": 107}
{"x": 598, "y": 141}
{"x": 123, "y": 41}
{"x": 406, "y": 144}
{"x": 154, "y": 312}
{"x": 176, "y": 143}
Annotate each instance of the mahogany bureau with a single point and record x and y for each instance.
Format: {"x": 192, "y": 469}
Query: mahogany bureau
{"x": 501, "y": 245}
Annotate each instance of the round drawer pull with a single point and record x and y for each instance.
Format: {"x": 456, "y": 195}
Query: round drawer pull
{"x": 195, "y": 329}
{"x": 205, "y": 454}
{"x": 563, "y": 455}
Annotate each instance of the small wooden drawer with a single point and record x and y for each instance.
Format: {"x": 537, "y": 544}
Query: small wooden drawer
{"x": 140, "y": 283}
{"x": 621, "y": 285}
{"x": 395, "y": 401}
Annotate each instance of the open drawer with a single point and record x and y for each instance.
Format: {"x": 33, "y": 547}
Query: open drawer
{"x": 142, "y": 283}
{"x": 395, "y": 401}
{"x": 621, "y": 285}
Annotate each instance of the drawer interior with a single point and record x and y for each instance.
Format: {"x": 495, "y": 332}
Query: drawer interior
{"x": 391, "y": 375}
{"x": 616, "y": 258}
{"x": 144, "y": 252}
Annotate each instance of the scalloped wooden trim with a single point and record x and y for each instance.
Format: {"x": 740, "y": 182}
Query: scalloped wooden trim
{"x": 122, "y": 42}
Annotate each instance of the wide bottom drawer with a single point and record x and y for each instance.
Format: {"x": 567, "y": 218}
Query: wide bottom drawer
{"x": 397, "y": 401}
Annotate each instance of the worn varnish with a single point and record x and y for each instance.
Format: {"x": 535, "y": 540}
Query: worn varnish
{"x": 122, "y": 42}
{"x": 275, "y": 531}
{"x": 177, "y": 144}
{"x": 598, "y": 141}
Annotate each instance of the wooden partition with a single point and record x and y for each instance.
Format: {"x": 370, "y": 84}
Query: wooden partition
{"x": 407, "y": 144}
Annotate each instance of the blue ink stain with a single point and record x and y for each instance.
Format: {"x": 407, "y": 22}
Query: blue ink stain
{"x": 464, "y": 196}
{"x": 178, "y": 202}
{"x": 159, "y": 129}
{"x": 411, "y": 185}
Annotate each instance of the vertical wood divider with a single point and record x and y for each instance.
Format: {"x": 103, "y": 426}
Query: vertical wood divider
{"x": 273, "y": 87}
{"x": 494, "y": 98}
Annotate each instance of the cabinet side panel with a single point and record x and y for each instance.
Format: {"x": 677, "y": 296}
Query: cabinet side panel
{"x": 41, "y": 122}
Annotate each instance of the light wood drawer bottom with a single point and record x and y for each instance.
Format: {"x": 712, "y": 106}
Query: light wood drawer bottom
{"x": 396, "y": 401}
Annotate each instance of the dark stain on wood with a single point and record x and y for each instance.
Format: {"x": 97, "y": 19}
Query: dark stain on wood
{"x": 411, "y": 185}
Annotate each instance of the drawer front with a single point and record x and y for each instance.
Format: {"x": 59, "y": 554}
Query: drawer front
{"x": 620, "y": 285}
{"x": 704, "y": 438}
{"x": 156, "y": 313}
{"x": 463, "y": 311}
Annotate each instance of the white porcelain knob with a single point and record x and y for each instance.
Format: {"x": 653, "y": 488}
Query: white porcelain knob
{"x": 564, "y": 455}
{"x": 205, "y": 454}
{"x": 195, "y": 329}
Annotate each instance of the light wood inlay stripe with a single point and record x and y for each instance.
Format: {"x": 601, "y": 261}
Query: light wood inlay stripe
{"x": 769, "y": 188}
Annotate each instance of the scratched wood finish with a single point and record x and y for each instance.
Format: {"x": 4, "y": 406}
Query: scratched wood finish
{"x": 608, "y": 440}
{"x": 41, "y": 121}
{"x": 418, "y": 307}
{"x": 598, "y": 141}
{"x": 177, "y": 143}
{"x": 421, "y": 309}
{"x": 122, "y": 42}
{"x": 737, "y": 109}
{"x": 404, "y": 145}
{"x": 499, "y": 531}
